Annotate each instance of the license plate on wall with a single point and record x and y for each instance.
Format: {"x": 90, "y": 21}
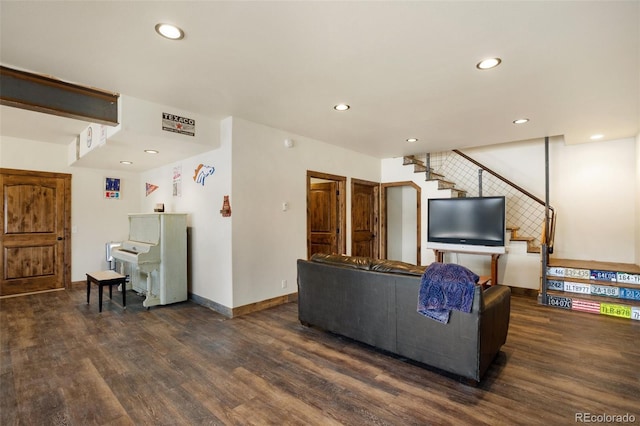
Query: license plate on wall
{"x": 585, "y": 306}
{"x": 623, "y": 277}
{"x": 635, "y": 313}
{"x": 603, "y": 275}
{"x": 555, "y": 285}
{"x": 555, "y": 271}
{"x": 605, "y": 290}
{"x": 559, "y": 302}
{"x": 577, "y": 273}
{"x": 577, "y": 287}
{"x": 629, "y": 293}
{"x": 620, "y": 311}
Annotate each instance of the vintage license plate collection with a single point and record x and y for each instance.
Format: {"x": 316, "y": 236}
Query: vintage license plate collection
{"x": 593, "y": 289}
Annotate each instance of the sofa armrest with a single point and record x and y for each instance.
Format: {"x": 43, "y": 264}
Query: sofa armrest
{"x": 494, "y": 323}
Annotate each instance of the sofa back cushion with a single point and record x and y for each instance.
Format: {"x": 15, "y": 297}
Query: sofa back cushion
{"x": 356, "y": 262}
{"x": 397, "y": 267}
{"x": 369, "y": 264}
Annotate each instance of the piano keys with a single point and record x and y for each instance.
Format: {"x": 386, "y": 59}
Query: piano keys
{"x": 156, "y": 254}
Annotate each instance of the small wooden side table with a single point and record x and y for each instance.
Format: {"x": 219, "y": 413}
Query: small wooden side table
{"x": 110, "y": 278}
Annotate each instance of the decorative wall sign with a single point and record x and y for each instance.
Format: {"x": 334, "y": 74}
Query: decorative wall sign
{"x": 112, "y": 188}
{"x": 93, "y": 136}
{"x": 226, "y": 207}
{"x": 150, "y": 188}
{"x": 176, "y": 124}
{"x": 202, "y": 172}
{"x": 177, "y": 181}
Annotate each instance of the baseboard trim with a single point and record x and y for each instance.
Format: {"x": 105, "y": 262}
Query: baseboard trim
{"x": 31, "y": 293}
{"x": 265, "y": 304}
{"x": 75, "y": 284}
{"x": 203, "y": 301}
{"x": 245, "y": 309}
{"x": 520, "y": 291}
{"x": 224, "y": 310}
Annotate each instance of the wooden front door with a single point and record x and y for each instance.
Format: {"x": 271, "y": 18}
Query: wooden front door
{"x": 325, "y": 213}
{"x": 364, "y": 218}
{"x": 35, "y": 244}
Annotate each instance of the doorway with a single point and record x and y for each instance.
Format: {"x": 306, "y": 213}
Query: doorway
{"x": 364, "y": 218}
{"x": 326, "y": 217}
{"x": 35, "y": 243}
{"x": 400, "y": 214}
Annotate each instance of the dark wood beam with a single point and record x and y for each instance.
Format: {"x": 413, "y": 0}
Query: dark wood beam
{"x": 21, "y": 89}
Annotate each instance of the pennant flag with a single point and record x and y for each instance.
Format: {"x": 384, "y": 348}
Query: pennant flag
{"x": 151, "y": 188}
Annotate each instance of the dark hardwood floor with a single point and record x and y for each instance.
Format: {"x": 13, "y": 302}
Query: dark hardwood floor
{"x": 63, "y": 363}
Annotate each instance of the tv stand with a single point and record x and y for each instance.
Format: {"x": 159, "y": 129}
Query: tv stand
{"x": 494, "y": 260}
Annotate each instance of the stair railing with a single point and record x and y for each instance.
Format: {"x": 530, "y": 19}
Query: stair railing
{"x": 550, "y": 224}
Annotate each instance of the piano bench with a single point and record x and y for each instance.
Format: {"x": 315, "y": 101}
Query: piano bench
{"x": 103, "y": 278}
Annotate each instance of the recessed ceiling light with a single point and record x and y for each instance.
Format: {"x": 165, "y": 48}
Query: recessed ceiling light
{"x": 170, "y": 31}
{"x": 126, "y": 162}
{"x": 521, "y": 121}
{"x": 596, "y": 137}
{"x": 341, "y": 107}
{"x": 411, "y": 140}
{"x": 489, "y": 63}
{"x": 151, "y": 151}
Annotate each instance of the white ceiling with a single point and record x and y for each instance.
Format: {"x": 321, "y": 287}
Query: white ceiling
{"x": 406, "y": 68}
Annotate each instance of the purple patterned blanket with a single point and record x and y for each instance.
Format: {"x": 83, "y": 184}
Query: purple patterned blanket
{"x": 446, "y": 286}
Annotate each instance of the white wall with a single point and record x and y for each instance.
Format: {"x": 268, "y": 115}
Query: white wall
{"x": 94, "y": 219}
{"x": 266, "y": 240}
{"x": 209, "y": 250}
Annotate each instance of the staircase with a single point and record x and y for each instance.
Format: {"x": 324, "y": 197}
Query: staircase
{"x": 435, "y": 166}
{"x": 419, "y": 166}
{"x": 604, "y": 288}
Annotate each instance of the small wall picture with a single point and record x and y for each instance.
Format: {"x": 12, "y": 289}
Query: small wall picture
{"x": 112, "y": 188}
{"x": 201, "y": 172}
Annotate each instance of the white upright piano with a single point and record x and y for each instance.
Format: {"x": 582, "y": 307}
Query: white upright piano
{"x": 156, "y": 256}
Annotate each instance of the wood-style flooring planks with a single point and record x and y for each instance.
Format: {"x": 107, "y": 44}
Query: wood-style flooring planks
{"x": 63, "y": 363}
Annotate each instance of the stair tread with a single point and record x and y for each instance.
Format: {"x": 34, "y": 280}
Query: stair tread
{"x": 440, "y": 180}
{"x": 522, "y": 239}
{"x": 629, "y": 268}
{"x": 410, "y": 159}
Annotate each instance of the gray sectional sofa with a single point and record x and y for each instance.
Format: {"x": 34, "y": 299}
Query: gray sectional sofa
{"x": 375, "y": 302}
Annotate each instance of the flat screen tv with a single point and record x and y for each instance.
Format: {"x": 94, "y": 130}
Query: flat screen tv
{"x": 474, "y": 224}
